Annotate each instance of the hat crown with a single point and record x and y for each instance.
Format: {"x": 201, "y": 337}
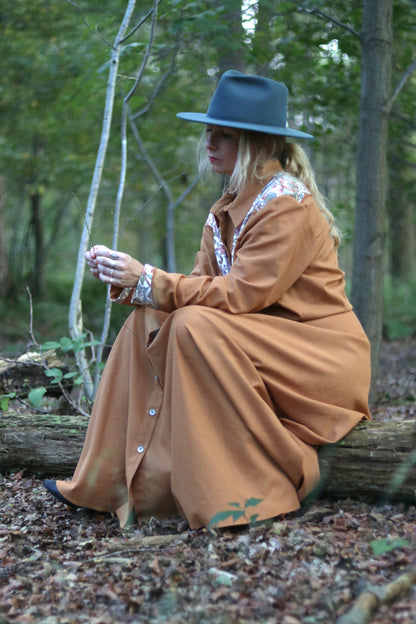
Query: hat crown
{"x": 250, "y": 103}
{"x": 249, "y": 100}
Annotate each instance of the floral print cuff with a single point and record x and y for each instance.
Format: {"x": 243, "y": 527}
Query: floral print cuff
{"x": 122, "y": 296}
{"x": 142, "y": 294}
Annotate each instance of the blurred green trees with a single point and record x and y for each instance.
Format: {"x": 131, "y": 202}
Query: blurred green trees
{"x": 54, "y": 67}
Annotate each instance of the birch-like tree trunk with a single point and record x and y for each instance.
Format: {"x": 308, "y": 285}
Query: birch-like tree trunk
{"x": 372, "y": 177}
{"x": 123, "y": 172}
{"x": 75, "y": 321}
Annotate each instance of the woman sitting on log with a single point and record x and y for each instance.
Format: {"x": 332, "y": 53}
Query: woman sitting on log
{"x": 222, "y": 384}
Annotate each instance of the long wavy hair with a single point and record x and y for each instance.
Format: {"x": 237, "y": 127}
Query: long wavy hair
{"x": 255, "y": 150}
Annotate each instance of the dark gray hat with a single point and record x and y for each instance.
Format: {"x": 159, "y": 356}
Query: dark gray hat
{"x": 249, "y": 102}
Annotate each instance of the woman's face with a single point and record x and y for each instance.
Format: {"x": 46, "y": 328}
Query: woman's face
{"x": 221, "y": 144}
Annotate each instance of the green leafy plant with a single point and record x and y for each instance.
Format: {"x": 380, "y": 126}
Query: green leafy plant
{"x": 5, "y": 399}
{"x": 384, "y": 545}
{"x": 35, "y": 397}
{"x": 57, "y": 376}
{"x": 66, "y": 345}
{"x": 236, "y": 512}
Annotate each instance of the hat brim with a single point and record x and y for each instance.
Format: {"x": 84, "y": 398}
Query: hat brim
{"x": 204, "y": 118}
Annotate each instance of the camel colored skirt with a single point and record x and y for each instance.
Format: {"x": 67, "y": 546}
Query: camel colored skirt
{"x": 200, "y": 408}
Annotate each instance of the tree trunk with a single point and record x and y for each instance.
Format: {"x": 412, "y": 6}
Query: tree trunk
{"x": 369, "y": 234}
{"x": 375, "y": 461}
{"x": 37, "y": 280}
{"x": 230, "y": 52}
{"x": 4, "y": 263}
{"x": 400, "y": 216}
{"x": 75, "y": 318}
{"x": 261, "y": 52}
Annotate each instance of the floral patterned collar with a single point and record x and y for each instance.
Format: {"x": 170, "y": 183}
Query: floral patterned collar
{"x": 282, "y": 183}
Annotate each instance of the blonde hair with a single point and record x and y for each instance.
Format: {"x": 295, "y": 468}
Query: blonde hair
{"x": 255, "y": 150}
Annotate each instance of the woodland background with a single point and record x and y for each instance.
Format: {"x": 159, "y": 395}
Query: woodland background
{"x": 351, "y": 72}
{"x": 55, "y": 59}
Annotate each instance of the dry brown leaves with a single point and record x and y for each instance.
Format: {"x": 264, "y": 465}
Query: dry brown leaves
{"x": 68, "y": 567}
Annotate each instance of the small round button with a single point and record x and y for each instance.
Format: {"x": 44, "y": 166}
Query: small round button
{"x": 152, "y": 412}
{"x": 140, "y": 449}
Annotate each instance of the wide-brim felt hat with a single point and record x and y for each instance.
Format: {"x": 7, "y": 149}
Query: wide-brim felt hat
{"x": 248, "y": 102}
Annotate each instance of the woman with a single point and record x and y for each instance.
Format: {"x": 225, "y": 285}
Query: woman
{"x": 222, "y": 384}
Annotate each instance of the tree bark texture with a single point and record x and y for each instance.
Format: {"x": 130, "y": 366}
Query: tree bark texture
{"x": 4, "y": 263}
{"x": 37, "y": 277}
{"x": 402, "y": 239}
{"x": 369, "y": 234}
{"x": 375, "y": 461}
{"x": 44, "y": 444}
{"x": 230, "y": 51}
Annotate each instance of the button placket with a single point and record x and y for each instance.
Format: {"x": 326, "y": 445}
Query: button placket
{"x": 143, "y": 427}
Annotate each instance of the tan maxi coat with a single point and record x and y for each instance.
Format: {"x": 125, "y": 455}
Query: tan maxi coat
{"x": 221, "y": 384}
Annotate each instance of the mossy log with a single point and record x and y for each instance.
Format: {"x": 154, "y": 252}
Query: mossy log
{"x": 375, "y": 461}
{"x": 42, "y": 444}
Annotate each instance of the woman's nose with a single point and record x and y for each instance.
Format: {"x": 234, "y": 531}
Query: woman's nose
{"x": 209, "y": 141}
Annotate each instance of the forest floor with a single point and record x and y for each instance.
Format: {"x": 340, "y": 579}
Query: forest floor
{"x": 70, "y": 567}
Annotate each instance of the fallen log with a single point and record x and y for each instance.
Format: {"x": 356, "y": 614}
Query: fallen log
{"x": 29, "y": 371}
{"x": 41, "y": 444}
{"x": 375, "y": 461}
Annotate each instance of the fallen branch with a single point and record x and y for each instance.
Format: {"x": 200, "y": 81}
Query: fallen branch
{"x": 117, "y": 551}
{"x": 374, "y": 597}
{"x": 141, "y": 542}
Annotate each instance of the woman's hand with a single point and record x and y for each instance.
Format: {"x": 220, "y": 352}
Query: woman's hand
{"x": 113, "y": 267}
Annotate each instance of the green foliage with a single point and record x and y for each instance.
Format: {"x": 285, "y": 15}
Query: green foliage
{"x": 35, "y": 397}
{"x": 236, "y": 512}
{"x": 57, "y": 376}
{"x": 5, "y": 399}
{"x": 399, "y": 309}
{"x": 41, "y": 88}
{"x": 67, "y": 345}
{"x": 384, "y": 545}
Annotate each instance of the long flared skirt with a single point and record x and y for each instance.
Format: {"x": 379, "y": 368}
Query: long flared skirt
{"x": 200, "y": 408}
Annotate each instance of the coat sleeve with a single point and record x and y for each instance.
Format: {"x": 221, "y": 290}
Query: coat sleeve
{"x": 275, "y": 248}
{"x": 205, "y": 264}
